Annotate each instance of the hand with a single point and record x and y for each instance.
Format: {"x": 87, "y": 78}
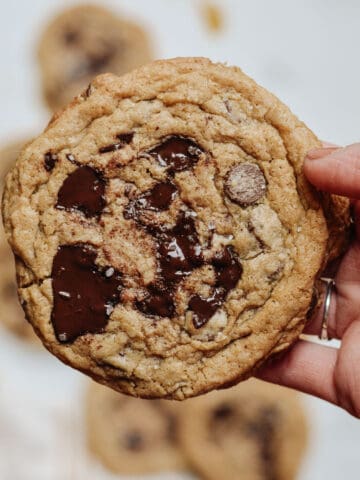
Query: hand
{"x": 329, "y": 373}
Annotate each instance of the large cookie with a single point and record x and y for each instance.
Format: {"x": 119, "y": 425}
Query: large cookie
{"x": 254, "y": 431}
{"x": 167, "y": 241}
{"x": 11, "y": 314}
{"x": 131, "y": 435}
{"x": 82, "y": 42}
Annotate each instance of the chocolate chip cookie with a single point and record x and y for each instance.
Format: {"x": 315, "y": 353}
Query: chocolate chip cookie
{"x": 254, "y": 431}
{"x": 82, "y": 42}
{"x": 11, "y": 314}
{"x": 167, "y": 242}
{"x": 132, "y": 436}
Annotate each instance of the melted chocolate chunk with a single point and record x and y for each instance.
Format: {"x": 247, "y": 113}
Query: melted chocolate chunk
{"x": 156, "y": 199}
{"x": 245, "y": 184}
{"x": 124, "y": 139}
{"x": 205, "y": 308}
{"x": 84, "y": 295}
{"x": 177, "y": 154}
{"x": 111, "y": 148}
{"x": 134, "y": 441}
{"x": 50, "y": 160}
{"x": 228, "y": 272}
{"x": 228, "y": 269}
{"x": 83, "y": 190}
{"x": 179, "y": 251}
{"x": 157, "y": 302}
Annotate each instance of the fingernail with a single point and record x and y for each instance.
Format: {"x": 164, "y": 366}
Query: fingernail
{"x": 317, "y": 153}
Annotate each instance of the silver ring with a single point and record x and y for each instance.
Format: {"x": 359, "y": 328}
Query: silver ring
{"x": 330, "y": 286}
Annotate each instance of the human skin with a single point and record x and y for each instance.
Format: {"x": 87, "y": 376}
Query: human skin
{"x": 323, "y": 371}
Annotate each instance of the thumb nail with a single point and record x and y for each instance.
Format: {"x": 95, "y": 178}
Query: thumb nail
{"x": 318, "y": 153}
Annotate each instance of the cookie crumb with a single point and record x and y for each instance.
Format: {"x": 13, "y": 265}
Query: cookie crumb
{"x": 212, "y": 16}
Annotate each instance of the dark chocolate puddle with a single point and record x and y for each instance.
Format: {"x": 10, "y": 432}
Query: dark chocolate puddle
{"x": 84, "y": 294}
{"x": 179, "y": 251}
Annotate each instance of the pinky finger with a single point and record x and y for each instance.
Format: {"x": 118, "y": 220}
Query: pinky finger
{"x": 307, "y": 367}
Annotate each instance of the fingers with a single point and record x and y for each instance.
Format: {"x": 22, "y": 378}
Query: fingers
{"x": 335, "y": 170}
{"x": 345, "y": 298}
{"x": 307, "y": 367}
{"x": 347, "y": 371}
{"x": 313, "y": 327}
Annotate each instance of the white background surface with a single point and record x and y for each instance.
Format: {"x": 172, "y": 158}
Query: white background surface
{"x": 305, "y": 52}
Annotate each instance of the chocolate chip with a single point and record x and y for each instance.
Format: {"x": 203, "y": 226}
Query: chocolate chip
{"x": 71, "y": 37}
{"x": 156, "y": 199}
{"x": 99, "y": 61}
{"x": 50, "y": 160}
{"x": 177, "y": 154}
{"x": 223, "y": 412}
{"x": 124, "y": 139}
{"x": 228, "y": 271}
{"x": 262, "y": 428}
{"x": 83, "y": 190}
{"x": 83, "y": 293}
{"x": 134, "y": 441}
{"x": 111, "y": 148}
{"x": 179, "y": 251}
{"x": 158, "y": 302}
{"x": 88, "y": 91}
{"x": 245, "y": 184}
{"x": 172, "y": 428}
{"x": 91, "y": 64}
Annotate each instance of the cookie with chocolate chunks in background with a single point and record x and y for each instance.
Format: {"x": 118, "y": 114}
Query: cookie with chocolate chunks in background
{"x": 84, "y": 41}
{"x": 254, "y": 431}
{"x": 11, "y": 314}
{"x": 132, "y": 435}
{"x": 140, "y": 260}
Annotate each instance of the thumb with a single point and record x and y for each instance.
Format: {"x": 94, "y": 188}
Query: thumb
{"x": 335, "y": 170}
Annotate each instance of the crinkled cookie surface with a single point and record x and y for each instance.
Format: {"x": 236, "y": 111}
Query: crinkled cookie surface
{"x": 167, "y": 241}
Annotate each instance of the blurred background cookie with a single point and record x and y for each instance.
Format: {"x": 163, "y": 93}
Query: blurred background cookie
{"x": 82, "y": 42}
{"x": 254, "y": 431}
{"x": 11, "y": 314}
{"x": 130, "y": 435}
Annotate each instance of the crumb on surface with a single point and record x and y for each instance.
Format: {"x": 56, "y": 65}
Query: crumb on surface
{"x": 213, "y": 16}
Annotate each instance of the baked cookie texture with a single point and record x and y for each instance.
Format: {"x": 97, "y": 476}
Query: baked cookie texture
{"x": 11, "y": 314}
{"x": 82, "y": 42}
{"x": 254, "y": 431}
{"x": 167, "y": 242}
{"x": 132, "y": 435}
